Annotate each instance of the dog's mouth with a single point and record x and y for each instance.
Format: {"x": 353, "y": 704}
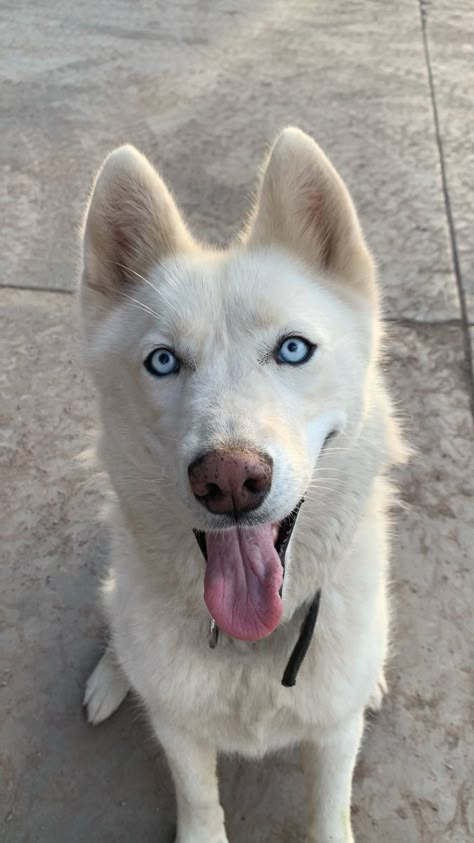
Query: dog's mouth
{"x": 244, "y": 576}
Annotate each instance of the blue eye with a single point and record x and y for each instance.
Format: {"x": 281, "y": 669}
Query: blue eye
{"x": 161, "y": 362}
{"x": 295, "y": 351}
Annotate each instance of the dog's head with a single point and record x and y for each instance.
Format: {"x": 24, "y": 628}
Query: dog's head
{"x": 223, "y": 375}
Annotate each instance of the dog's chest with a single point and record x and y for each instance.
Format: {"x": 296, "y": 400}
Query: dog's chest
{"x": 249, "y": 711}
{"x": 232, "y": 695}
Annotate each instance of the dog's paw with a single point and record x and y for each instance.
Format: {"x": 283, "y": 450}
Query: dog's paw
{"x": 376, "y": 698}
{"x": 106, "y": 688}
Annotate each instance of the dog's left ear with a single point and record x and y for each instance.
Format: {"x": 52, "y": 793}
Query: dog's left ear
{"x": 303, "y": 205}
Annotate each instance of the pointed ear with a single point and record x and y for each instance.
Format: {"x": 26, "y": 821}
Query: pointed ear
{"x": 132, "y": 222}
{"x": 304, "y": 206}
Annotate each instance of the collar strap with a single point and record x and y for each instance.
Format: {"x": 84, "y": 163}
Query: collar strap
{"x": 304, "y": 640}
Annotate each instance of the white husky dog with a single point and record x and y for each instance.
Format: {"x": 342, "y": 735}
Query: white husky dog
{"x": 247, "y": 433}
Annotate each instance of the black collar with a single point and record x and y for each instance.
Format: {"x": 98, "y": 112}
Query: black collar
{"x": 304, "y": 640}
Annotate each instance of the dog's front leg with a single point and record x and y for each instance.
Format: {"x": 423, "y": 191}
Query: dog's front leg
{"x": 329, "y": 765}
{"x": 193, "y": 767}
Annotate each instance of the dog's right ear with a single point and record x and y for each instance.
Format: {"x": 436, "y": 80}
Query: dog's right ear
{"x": 132, "y": 223}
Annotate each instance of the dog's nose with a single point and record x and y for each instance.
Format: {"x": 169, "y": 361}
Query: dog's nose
{"x": 231, "y": 482}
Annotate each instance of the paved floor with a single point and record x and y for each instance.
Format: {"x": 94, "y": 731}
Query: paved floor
{"x": 201, "y": 88}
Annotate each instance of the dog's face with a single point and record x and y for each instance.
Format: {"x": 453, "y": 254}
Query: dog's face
{"x": 223, "y": 375}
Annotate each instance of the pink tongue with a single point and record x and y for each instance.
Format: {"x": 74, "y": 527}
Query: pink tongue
{"x": 242, "y": 582}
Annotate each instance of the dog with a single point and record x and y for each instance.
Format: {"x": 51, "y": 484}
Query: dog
{"x": 247, "y": 434}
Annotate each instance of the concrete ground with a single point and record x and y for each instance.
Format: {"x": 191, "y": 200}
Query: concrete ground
{"x": 386, "y": 88}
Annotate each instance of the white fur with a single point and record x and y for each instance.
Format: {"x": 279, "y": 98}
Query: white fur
{"x": 301, "y": 265}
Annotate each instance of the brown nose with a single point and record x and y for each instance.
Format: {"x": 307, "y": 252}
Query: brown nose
{"x": 231, "y": 482}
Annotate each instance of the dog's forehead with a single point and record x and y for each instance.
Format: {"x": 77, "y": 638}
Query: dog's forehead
{"x": 235, "y": 291}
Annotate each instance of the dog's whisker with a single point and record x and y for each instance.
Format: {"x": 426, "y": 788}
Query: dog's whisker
{"x": 324, "y": 485}
{"x": 131, "y": 300}
{"x": 141, "y": 304}
{"x": 147, "y": 281}
{"x": 135, "y": 273}
{"x": 321, "y": 490}
{"x": 317, "y": 469}
{"x": 322, "y": 476}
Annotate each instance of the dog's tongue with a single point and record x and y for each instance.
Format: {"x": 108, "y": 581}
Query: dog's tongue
{"x": 242, "y": 582}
